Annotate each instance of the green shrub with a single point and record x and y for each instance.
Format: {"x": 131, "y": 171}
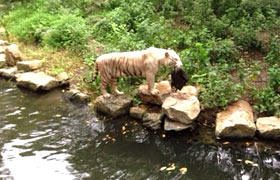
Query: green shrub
{"x": 32, "y": 28}
{"x": 223, "y": 51}
{"x": 267, "y": 101}
{"x": 218, "y": 89}
{"x": 67, "y": 31}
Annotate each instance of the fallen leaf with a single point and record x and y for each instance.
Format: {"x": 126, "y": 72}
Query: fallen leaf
{"x": 163, "y": 168}
{"x": 171, "y": 168}
{"x": 255, "y": 165}
{"x": 123, "y": 128}
{"x": 247, "y": 143}
{"x": 183, "y": 170}
{"x": 226, "y": 142}
{"x": 239, "y": 160}
{"x": 249, "y": 162}
{"x": 163, "y": 135}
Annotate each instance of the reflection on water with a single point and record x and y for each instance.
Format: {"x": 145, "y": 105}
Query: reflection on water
{"x": 45, "y": 137}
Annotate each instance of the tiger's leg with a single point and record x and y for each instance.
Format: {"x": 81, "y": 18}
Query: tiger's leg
{"x": 114, "y": 88}
{"x": 151, "y": 83}
{"x": 103, "y": 85}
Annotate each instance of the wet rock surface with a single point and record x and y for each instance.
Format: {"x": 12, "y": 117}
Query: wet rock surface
{"x": 36, "y": 81}
{"x": 269, "y": 127}
{"x": 236, "y": 121}
{"x": 76, "y": 96}
{"x": 153, "y": 118}
{"x": 170, "y": 125}
{"x": 9, "y": 73}
{"x": 138, "y": 111}
{"x": 164, "y": 89}
{"x": 114, "y": 106}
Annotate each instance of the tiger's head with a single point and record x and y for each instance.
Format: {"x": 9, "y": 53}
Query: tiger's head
{"x": 173, "y": 59}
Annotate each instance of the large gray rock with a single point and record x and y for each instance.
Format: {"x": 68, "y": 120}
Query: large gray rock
{"x": 181, "y": 108}
{"x": 237, "y": 121}
{"x": 76, "y": 96}
{"x": 9, "y": 73}
{"x": 2, "y": 60}
{"x": 27, "y": 66}
{"x": 138, "y": 111}
{"x": 269, "y": 127}
{"x": 153, "y": 118}
{"x": 13, "y": 55}
{"x": 164, "y": 89}
{"x": 36, "y": 81}
{"x": 113, "y": 106}
{"x": 170, "y": 125}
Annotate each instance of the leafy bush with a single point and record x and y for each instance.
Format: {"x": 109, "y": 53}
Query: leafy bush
{"x": 67, "y": 31}
{"x": 32, "y": 28}
{"x": 267, "y": 101}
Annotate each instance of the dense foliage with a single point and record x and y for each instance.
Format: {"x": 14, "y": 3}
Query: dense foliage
{"x": 215, "y": 38}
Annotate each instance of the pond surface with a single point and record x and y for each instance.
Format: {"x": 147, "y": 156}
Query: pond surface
{"x": 44, "y": 136}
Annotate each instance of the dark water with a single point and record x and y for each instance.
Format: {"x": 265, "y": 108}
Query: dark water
{"x": 45, "y": 137}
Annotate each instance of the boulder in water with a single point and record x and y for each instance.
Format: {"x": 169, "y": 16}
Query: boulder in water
{"x": 170, "y": 125}
{"x": 9, "y": 73}
{"x": 181, "y": 109}
{"x": 114, "y": 106}
{"x": 153, "y": 118}
{"x": 76, "y": 96}
{"x": 269, "y": 127}
{"x": 237, "y": 121}
{"x": 138, "y": 111}
{"x": 36, "y": 81}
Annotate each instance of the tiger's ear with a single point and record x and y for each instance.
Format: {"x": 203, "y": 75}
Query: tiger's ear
{"x": 166, "y": 54}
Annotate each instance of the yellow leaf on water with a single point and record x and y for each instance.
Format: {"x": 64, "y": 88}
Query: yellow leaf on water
{"x": 255, "y": 165}
{"x": 171, "y": 168}
{"x": 239, "y": 160}
{"x": 163, "y": 168}
{"x": 249, "y": 162}
{"x": 183, "y": 170}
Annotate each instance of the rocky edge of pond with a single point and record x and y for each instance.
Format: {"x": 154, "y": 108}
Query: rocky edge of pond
{"x": 172, "y": 111}
{"x": 27, "y": 73}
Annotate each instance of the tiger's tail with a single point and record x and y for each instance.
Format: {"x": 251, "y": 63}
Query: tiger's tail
{"x": 95, "y": 74}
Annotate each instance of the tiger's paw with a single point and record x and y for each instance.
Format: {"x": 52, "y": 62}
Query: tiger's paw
{"x": 154, "y": 92}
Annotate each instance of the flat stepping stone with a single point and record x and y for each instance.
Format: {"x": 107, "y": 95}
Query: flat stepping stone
{"x": 9, "y": 73}
{"x": 269, "y": 127}
{"x": 37, "y": 81}
{"x": 27, "y": 66}
{"x": 113, "y": 106}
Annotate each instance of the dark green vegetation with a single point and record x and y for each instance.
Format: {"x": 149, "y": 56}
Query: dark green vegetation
{"x": 229, "y": 47}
